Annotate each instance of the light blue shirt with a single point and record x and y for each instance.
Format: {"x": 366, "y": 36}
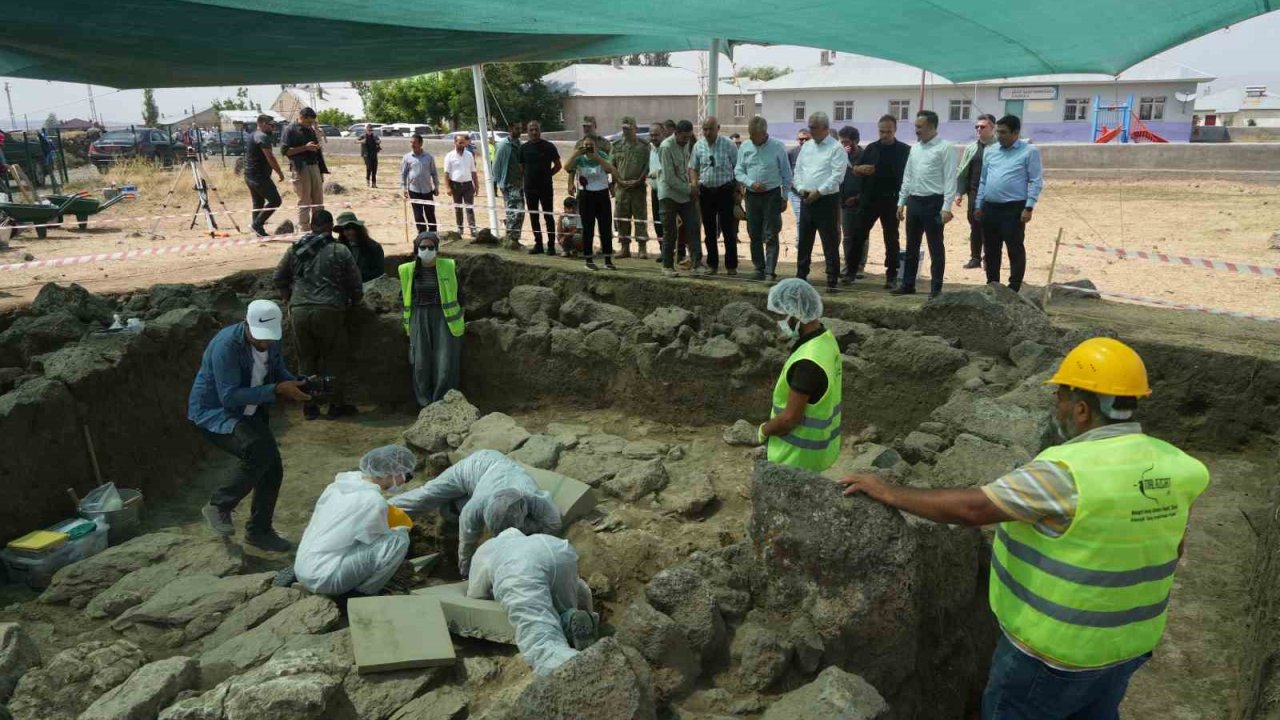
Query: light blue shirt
{"x": 714, "y": 163}
{"x": 1011, "y": 174}
{"x": 766, "y": 164}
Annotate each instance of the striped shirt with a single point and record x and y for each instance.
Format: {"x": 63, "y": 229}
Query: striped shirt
{"x": 714, "y": 165}
{"x": 426, "y": 286}
{"x": 1043, "y": 492}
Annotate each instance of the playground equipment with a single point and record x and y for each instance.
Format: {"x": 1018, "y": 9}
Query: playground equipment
{"x": 1124, "y": 123}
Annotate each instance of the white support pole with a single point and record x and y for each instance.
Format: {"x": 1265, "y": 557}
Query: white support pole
{"x": 713, "y": 78}
{"x": 482, "y": 114}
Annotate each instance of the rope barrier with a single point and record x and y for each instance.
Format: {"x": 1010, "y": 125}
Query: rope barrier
{"x": 1165, "y": 303}
{"x": 1183, "y": 260}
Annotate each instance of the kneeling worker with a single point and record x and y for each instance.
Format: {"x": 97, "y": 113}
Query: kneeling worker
{"x": 486, "y": 490}
{"x": 804, "y": 424}
{"x": 535, "y": 577}
{"x": 355, "y": 540}
{"x": 1090, "y": 534}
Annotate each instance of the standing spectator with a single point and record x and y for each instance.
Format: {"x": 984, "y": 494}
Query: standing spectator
{"x": 631, "y": 159}
{"x": 802, "y": 137}
{"x": 764, "y": 174}
{"x": 928, "y": 189}
{"x": 883, "y": 164}
{"x": 1012, "y": 178}
{"x": 657, "y": 132}
{"x": 258, "y": 164}
{"x": 242, "y": 373}
{"x": 820, "y": 168}
{"x": 714, "y": 190}
{"x": 675, "y": 195}
{"x": 508, "y": 175}
{"x": 433, "y": 319}
{"x": 306, "y": 160}
{"x": 589, "y": 132}
{"x": 590, "y": 184}
{"x": 540, "y": 161}
{"x": 319, "y": 280}
{"x": 967, "y": 179}
{"x": 460, "y": 166}
{"x": 855, "y": 253}
{"x": 370, "y": 146}
{"x": 367, "y": 251}
{"x": 420, "y": 181}
{"x": 737, "y": 140}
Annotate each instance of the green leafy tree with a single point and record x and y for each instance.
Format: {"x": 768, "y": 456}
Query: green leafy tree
{"x": 763, "y": 72}
{"x": 650, "y": 59}
{"x": 150, "y": 111}
{"x": 515, "y": 91}
{"x": 51, "y": 122}
{"x": 334, "y": 117}
{"x": 239, "y": 102}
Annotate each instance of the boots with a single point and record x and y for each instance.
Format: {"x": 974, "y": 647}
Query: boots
{"x": 643, "y": 253}
{"x": 626, "y": 250}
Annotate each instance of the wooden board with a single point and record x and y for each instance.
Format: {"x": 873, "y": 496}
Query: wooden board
{"x": 399, "y": 632}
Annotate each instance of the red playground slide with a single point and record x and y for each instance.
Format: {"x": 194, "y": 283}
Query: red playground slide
{"x": 1108, "y": 135}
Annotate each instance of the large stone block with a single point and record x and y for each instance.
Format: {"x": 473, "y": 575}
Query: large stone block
{"x": 471, "y": 617}
{"x": 991, "y": 319}
{"x": 398, "y": 633}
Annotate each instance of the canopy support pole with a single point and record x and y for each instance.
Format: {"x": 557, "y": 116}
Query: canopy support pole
{"x": 482, "y": 115}
{"x": 713, "y": 79}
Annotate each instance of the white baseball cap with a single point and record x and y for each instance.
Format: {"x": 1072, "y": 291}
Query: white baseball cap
{"x": 264, "y": 318}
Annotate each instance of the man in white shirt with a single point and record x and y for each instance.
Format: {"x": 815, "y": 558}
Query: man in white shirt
{"x": 820, "y": 167}
{"x": 460, "y": 166}
{"x": 928, "y": 189}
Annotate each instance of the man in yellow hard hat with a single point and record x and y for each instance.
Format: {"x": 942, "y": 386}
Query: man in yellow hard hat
{"x": 1090, "y": 535}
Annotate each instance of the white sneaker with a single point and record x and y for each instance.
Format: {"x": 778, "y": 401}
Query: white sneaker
{"x": 701, "y": 270}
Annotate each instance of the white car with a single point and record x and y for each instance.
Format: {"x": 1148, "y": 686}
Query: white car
{"x": 494, "y": 135}
{"x": 408, "y": 129}
{"x": 358, "y": 129}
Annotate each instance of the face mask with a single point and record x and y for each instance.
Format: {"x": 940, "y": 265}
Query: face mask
{"x": 791, "y": 331}
{"x": 427, "y": 254}
{"x": 396, "y": 487}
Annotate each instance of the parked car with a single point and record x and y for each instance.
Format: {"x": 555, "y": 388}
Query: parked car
{"x": 408, "y": 129}
{"x": 495, "y": 135}
{"x": 358, "y": 129}
{"x": 146, "y": 143}
{"x": 329, "y": 130}
{"x": 233, "y": 141}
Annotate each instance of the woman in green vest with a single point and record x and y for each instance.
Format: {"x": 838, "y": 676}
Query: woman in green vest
{"x": 432, "y": 319}
{"x": 804, "y": 419}
{"x": 1090, "y": 535}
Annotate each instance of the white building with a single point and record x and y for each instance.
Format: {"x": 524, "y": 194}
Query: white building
{"x": 609, "y": 92}
{"x": 1054, "y": 108}
{"x": 1245, "y": 106}
{"x": 319, "y": 97}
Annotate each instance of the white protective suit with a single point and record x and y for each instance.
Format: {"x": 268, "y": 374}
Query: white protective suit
{"x": 535, "y": 577}
{"x": 348, "y": 544}
{"x": 475, "y": 481}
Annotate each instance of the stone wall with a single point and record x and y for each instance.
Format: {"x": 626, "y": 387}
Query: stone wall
{"x": 1260, "y": 664}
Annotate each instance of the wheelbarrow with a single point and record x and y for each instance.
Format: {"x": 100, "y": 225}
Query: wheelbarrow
{"x": 33, "y": 214}
{"x": 82, "y": 206}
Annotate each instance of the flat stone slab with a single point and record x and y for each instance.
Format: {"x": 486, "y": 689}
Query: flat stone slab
{"x": 469, "y": 617}
{"x": 573, "y": 498}
{"x": 399, "y": 632}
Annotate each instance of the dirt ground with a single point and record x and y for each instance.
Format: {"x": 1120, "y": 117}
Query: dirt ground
{"x": 1212, "y": 218}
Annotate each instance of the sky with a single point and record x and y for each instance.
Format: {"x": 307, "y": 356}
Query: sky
{"x": 1246, "y": 53}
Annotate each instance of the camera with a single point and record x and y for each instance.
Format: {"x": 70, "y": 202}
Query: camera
{"x": 318, "y": 385}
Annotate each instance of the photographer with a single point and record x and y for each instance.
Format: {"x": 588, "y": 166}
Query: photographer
{"x": 241, "y": 373}
{"x": 318, "y": 279}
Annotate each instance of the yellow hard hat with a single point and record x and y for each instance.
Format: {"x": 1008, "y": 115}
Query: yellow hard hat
{"x": 398, "y": 518}
{"x": 1105, "y": 366}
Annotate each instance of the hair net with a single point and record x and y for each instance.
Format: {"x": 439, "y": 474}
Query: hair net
{"x": 387, "y": 461}
{"x": 796, "y": 298}
{"x": 508, "y": 508}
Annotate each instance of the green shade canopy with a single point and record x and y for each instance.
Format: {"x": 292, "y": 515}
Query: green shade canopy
{"x": 176, "y": 43}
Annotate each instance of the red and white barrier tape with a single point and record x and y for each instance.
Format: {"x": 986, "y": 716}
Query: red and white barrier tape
{"x": 1166, "y": 303}
{"x": 1183, "y": 260}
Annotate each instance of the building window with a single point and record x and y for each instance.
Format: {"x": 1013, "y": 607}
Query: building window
{"x": 739, "y": 108}
{"x": 843, "y": 111}
{"x": 1075, "y": 109}
{"x": 1151, "y": 108}
{"x": 900, "y": 109}
{"x": 960, "y": 110}
{"x": 797, "y": 112}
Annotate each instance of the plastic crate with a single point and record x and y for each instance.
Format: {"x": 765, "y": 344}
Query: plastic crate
{"x": 37, "y": 572}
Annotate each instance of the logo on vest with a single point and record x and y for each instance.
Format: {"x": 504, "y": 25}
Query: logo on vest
{"x": 1158, "y": 490}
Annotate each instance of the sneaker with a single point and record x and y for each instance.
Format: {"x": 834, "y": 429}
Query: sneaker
{"x": 268, "y": 540}
{"x": 624, "y": 254}
{"x": 846, "y": 279}
{"x": 859, "y": 275}
{"x": 580, "y": 628}
{"x": 732, "y": 272}
{"x": 608, "y": 264}
{"x": 643, "y": 254}
{"x": 591, "y": 265}
{"x": 310, "y": 411}
{"x": 669, "y": 272}
{"x": 537, "y": 250}
{"x": 711, "y": 270}
{"x": 833, "y": 288}
{"x": 259, "y": 231}
{"x": 701, "y": 271}
{"x": 973, "y": 263}
{"x": 219, "y": 520}
{"x": 890, "y": 284}
{"x": 341, "y": 411}
{"x": 904, "y": 290}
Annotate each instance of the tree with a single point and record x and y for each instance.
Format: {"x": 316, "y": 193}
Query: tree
{"x": 516, "y": 91}
{"x": 334, "y": 117}
{"x": 762, "y": 72}
{"x": 51, "y": 122}
{"x": 150, "y": 111}
{"x": 239, "y": 102}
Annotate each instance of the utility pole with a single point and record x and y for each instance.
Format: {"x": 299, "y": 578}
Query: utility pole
{"x": 93, "y": 108}
{"x": 13, "y": 121}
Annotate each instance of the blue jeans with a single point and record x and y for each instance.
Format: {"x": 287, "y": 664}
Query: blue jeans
{"x": 1023, "y": 688}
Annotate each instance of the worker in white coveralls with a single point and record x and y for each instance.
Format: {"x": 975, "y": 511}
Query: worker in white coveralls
{"x": 355, "y": 540}
{"x": 486, "y": 490}
{"x": 535, "y": 577}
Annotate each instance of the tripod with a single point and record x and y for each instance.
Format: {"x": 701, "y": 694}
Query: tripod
{"x": 202, "y": 188}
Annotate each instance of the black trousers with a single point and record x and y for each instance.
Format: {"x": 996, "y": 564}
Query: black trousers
{"x": 1002, "y": 225}
{"x": 684, "y": 232}
{"x": 266, "y": 198}
{"x": 716, "y": 205}
{"x": 656, "y": 214}
{"x": 823, "y": 218}
{"x": 539, "y": 200}
{"x": 424, "y": 216}
{"x": 975, "y": 229}
{"x": 924, "y": 218}
{"x": 595, "y": 208}
{"x": 260, "y": 470}
{"x": 371, "y": 169}
{"x": 464, "y": 193}
{"x": 884, "y": 209}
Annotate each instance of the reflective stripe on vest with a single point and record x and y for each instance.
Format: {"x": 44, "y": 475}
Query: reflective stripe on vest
{"x": 814, "y": 444}
{"x": 1098, "y": 594}
{"x": 447, "y": 277}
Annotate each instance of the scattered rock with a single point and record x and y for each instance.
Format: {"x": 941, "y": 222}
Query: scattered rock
{"x": 834, "y": 694}
{"x": 592, "y": 468}
{"x": 876, "y": 457}
{"x": 495, "y": 431}
{"x": 603, "y": 343}
{"x": 567, "y": 433}
{"x": 685, "y": 595}
{"x": 193, "y": 599}
{"x": 377, "y": 696}
{"x": 446, "y": 703}
{"x": 148, "y": 690}
{"x": 35, "y": 335}
{"x": 284, "y": 228}
{"x": 763, "y": 656}
{"x": 990, "y": 319}
{"x": 665, "y": 322}
{"x": 74, "y": 300}
{"x": 601, "y": 586}
{"x": 995, "y": 421}
{"x": 974, "y": 384}
{"x": 18, "y": 653}
{"x": 540, "y": 451}
{"x": 662, "y": 643}
{"x": 602, "y": 443}
{"x": 568, "y": 343}
{"x": 485, "y": 237}
{"x": 311, "y": 615}
{"x": 742, "y": 433}
{"x": 744, "y": 314}
{"x": 295, "y": 686}
{"x": 638, "y": 481}
{"x": 450, "y": 415}
{"x": 74, "y": 679}
{"x": 532, "y": 304}
{"x": 1274, "y": 242}
{"x": 1082, "y": 284}
{"x": 383, "y": 294}
{"x": 1030, "y": 356}
{"x": 749, "y": 338}
{"x": 717, "y": 351}
{"x": 334, "y": 188}
{"x": 645, "y": 449}
{"x": 609, "y": 681}
{"x": 581, "y": 308}
{"x": 848, "y": 334}
{"x": 688, "y": 494}
{"x": 902, "y": 354}
{"x": 252, "y": 614}
{"x": 921, "y": 446}
{"x": 972, "y": 461}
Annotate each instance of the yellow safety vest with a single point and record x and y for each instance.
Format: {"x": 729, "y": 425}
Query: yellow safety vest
{"x": 447, "y": 276}
{"x": 814, "y": 444}
{"x": 1098, "y": 594}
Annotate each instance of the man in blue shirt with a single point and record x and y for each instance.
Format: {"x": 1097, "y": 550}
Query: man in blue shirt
{"x": 763, "y": 173}
{"x": 241, "y": 373}
{"x": 1012, "y": 178}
